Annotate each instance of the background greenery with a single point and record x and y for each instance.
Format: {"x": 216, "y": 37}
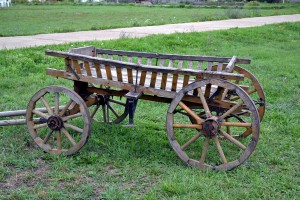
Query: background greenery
{"x": 30, "y": 19}
{"x": 138, "y": 163}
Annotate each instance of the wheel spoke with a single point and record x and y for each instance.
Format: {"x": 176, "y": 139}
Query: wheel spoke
{"x": 71, "y": 116}
{"x": 190, "y": 112}
{"x": 204, "y": 150}
{"x": 197, "y": 126}
{"x": 104, "y": 113}
{"x": 204, "y": 103}
{"x": 48, "y": 136}
{"x": 193, "y": 139}
{"x": 46, "y": 104}
{"x": 95, "y": 111}
{"x": 75, "y": 128}
{"x": 58, "y": 140}
{"x": 228, "y": 112}
{"x": 247, "y": 132}
{"x": 40, "y": 126}
{"x": 65, "y": 108}
{"x": 40, "y": 114}
{"x": 67, "y": 134}
{"x": 118, "y": 102}
{"x": 220, "y": 150}
{"x": 233, "y": 140}
{"x": 237, "y": 124}
{"x": 56, "y": 108}
{"x": 113, "y": 110}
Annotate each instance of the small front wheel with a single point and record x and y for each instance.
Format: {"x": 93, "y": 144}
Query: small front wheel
{"x": 58, "y": 120}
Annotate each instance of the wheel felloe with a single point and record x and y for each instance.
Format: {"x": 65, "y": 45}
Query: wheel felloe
{"x": 205, "y": 137}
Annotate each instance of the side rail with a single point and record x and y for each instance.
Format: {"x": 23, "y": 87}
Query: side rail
{"x": 156, "y": 80}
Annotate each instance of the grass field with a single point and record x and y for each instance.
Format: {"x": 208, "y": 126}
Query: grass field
{"x": 22, "y": 19}
{"x": 138, "y": 163}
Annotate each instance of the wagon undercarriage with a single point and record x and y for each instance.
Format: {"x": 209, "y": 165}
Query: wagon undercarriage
{"x": 215, "y": 106}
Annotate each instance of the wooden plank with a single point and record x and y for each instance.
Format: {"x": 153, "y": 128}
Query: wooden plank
{"x": 139, "y": 60}
{"x": 149, "y": 61}
{"x": 153, "y": 79}
{"x": 180, "y": 62}
{"x": 76, "y": 66}
{"x": 190, "y": 64}
{"x": 98, "y": 70}
{"x": 174, "y": 82}
{"x": 186, "y": 79}
{"x": 220, "y": 67}
{"x": 164, "y": 81}
{"x": 108, "y": 72}
{"x": 199, "y": 65}
{"x": 87, "y": 68}
{"x": 171, "y": 63}
{"x": 162, "y": 62}
{"x": 172, "y": 56}
{"x": 231, "y": 64}
{"x": 143, "y": 77}
{"x": 209, "y": 66}
{"x": 119, "y": 74}
{"x": 129, "y": 76}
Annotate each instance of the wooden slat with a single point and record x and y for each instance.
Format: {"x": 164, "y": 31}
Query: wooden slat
{"x": 174, "y": 82}
{"x": 149, "y": 61}
{"x": 171, "y": 63}
{"x": 164, "y": 81}
{"x": 186, "y": 79}
{"x": 199, "y": 65}
{"x": 111, "y": 57}
{"x": 129, "y": 58}
{"x": 76, "y": 66}
{"x": 119, "y": 74}
{"x": 143, "y": 77}
{"x": 162, "y": 62}
{"x": 190, "y": 64}
{"x": 180, "y": 62}
{"x": 119, "y": 58}
{"x": 67, "y": 62}
{"x": 209, "y": 66}
{"x": 220, "y": 66}
{"x": 98, "y": 71}
{"x": 153, "y": 79}
{"x": 87, "y": 68}
{"x": 230, "y": 66}
{"x": 139, "y": 60}
{"x": 108, "y": 72}
{"x": 129, "y": 75}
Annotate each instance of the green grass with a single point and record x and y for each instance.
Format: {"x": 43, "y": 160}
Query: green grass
{"x": 22, "y": 19}
{"x": 124, "y": 163}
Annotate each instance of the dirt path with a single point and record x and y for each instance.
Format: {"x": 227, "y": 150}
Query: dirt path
{"x": 60, "y": 38}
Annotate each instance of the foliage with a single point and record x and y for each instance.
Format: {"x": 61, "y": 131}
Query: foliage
{"x": 124, "y": 163}
{"x": 61, "y": 17}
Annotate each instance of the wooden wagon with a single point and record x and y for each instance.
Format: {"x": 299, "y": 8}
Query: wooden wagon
{"x": 214, "y": 114}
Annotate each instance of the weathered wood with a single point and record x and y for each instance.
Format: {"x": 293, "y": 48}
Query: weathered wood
{"x": 172, "y": 56}
{"x": 174, "y": 82}
{"x": 153, "y": 79}
{"x": 87, "y": 68}
{"x": 98, "y": 70}
{"x": 108, "y": 72}
{"x": 76, "y": 66}
{"x": 203, "y": 74}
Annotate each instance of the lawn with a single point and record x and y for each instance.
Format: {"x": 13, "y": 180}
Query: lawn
{"x": 22, "y": 19}
{"x": 138, "y": 163}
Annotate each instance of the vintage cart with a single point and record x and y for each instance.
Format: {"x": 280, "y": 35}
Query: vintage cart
{"x": 214, "y": 114}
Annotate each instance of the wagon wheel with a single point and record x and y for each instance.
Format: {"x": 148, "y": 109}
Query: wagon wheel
{"x": 114, "y": 110}
{"x": 253, "y": 89}
{"x": 206, "y": 142}
{"x": 65, "y": 127}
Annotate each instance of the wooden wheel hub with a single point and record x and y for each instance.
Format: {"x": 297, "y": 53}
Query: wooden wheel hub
{"x": 55, "y": 122}
{"x": 211, "y": 127}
